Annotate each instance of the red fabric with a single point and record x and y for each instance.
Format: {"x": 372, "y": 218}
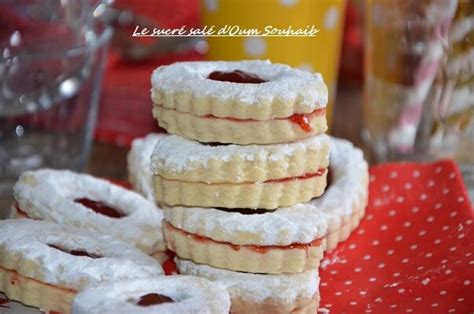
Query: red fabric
{"x": 413, "y": 251}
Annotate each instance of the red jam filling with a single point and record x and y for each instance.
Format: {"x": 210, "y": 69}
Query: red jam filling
{"x": 320, "y": 172}
{"x": 100, "y": 208}
{"x": 236, "y": 76}
{"x": 303, "y": 120}
{"x": 255, "y": 248}
{"x": 75, "y": 252}
{"x": 153, "y": 299}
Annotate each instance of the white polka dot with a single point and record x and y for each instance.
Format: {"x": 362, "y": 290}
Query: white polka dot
{"x": 255, "y": 46}
{"x": 445, "y": 191}
{"x": 442, "y": 292}
{"x": 420, "y": 268}
{"x": 406, "y": 224}
{"x": 328, "y": 305}
{"x": 416, "y": 173}
{"x": 375, "y": 242}
{"x": 469, "y": 221}
{"x": 363, "y": 292}
{"x": 352, "y": 246}
{"x": 398, "y": 238}
{"x": 418, "y": 299}
{"x": 353, "y": 303}
{"x": 446, "y": 227}
{"x": 379, "y": 300}
{"x": 372, "y": 279}
{"x": 407, "y": 186}
{"x": 461, "y": 236}
{"x": 366, "y": 257}
{"x": 438, "y": 206}
{"x": 421, "y": 233}
{"x": 372, "y": 178}
{"x": 425, "y": 281}
{"x": 331, "y": 17}
{"x": 453, "y": 213}
{"x": 467, "y": 282}
{"x": 409, "y": 310}
{"x": 401, "y": 290}
{"x": 452, "y": 175}
{"x": 448, "y": 271}
{"x": 400, "y": 199}
{"x": 460, "y": 199}
{"x": 437, "y": 241}
{"x": 451, "y": 310}
{"x": 383, "y": 227}
{"x": 430, "y": 219}
{"x": 415, "y": 209}
{"x": 434, "y": 304}
{"x": 438, "y": 169}
{"x": 381, "y": 265}
{"x": 212, "y": 5}
{"x": 369, "y": 217}
{"x": 392, "y": 213}
{"x": 423, "y": 196}
{"x": 444, "y": 261}
{"x": 324, "y": 284}
{"x": 396, "y": 274}
{"x": 288, "y": 3}
{"x": 385, "y": 188}
{"x": 357, "y": 269}
{"x": 405, "y": 260}
{"x": 431, "y": 183}
{"x": 306, "y": 67}
{"x": 468, "y": 254}
{"x": 333, "y": 272}
{"x": 393, "y": 306}
{"x": 429, "y": 254}
{"x": 452, "y": 249}
{"x": 393, "y": 174}
{"x": 348, "y": 282}
{"x": 360, "y": 231}
{"x": 338, "y": 293}
{"x": 413, "y": 247}
{"x": 471, "y": 262}
{"x": 390, "y": 252}
{"x": 460, "y": 299}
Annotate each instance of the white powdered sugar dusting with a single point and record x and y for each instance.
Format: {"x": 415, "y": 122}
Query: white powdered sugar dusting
{"x": 180, "y": 154}
{"x": 286, "y": 288}
{"x": 189, "y": 295}
{"x": 29, "y": 243}
{"x": 284, "y": 84}
{"x": 49, "y": 195}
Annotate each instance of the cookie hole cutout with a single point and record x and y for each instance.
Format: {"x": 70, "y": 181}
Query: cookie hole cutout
{"x": 244, "y": 211}
{"x": 153, "y": 299}
{"x": 100, "y": 208}
{"x": 75, "y": 252}
{"x": 236, "y": 76}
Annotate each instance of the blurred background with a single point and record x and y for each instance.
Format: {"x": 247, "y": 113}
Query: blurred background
{"x": 75, "y": 85}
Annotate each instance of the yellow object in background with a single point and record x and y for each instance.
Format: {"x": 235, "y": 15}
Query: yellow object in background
{"x": 320, "y": 53}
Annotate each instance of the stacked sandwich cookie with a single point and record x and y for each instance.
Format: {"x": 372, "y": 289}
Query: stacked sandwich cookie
{"x": 246, "y": 158}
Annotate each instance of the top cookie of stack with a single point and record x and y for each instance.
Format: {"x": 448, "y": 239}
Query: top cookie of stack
{"x": 273, "y": 103}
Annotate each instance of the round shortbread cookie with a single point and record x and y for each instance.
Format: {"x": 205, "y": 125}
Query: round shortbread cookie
{"x": 257, "y": 293}
{"x": 138, "y": 164}
{"x": 241, "y": 102}
{"x": 83, "y": 201}
{"x": 255, "y": 176}
{"x": 44, "y": 264}
{"x": 166, "y": 294}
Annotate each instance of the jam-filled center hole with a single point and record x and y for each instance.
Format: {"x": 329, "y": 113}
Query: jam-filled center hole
{"x": 236, "y": 76}
{"x": 153, "y": 299}
{"x": 75, "y": 252}
{"x": 100, "y": 207}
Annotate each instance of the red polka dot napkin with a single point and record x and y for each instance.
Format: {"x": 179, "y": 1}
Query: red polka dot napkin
{"x": 414, "y": 250}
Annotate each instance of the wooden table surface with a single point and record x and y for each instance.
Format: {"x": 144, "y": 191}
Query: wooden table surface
{"x": 109, "y": 161}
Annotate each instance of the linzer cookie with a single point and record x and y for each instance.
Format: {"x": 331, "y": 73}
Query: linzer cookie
{"x": 165, "y": 294}
{"x": 243, "y": 102}
{"x": 44, "y": 265}
{"x": 286, "y": 240}
{"x": 258, "y": 293}
{"x": 232, "y": 176}
{"x": 83, "y": 201}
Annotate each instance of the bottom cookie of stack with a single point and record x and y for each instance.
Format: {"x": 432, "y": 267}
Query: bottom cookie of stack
{"x": 262, "y": 293}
